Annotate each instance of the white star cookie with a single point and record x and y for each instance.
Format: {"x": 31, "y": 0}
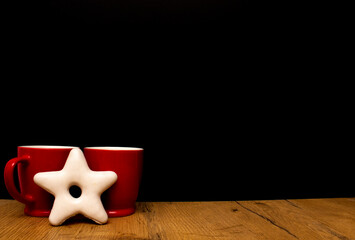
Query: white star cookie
{"x": 76, "y": 172}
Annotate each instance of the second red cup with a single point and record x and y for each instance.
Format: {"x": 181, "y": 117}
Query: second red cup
{"x": 127, "y": 162}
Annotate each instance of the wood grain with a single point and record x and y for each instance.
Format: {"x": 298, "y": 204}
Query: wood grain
{"x": 269, "y": 219}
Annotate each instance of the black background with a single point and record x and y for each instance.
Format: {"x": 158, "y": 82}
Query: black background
{"x": 227, "y": 102}
{"x": 202, "y": 140}
{"x": 54, "y": 13}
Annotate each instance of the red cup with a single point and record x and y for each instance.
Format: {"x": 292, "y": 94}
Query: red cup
{"x": 32, "y": 160}
{"x": 120, "y": 199}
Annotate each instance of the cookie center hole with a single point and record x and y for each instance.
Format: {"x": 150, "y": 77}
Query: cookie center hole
{"x": 75, "y": 191}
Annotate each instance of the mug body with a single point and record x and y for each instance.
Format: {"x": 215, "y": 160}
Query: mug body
{"x": 119, "y": 200}
{"x": 41, "y": 159}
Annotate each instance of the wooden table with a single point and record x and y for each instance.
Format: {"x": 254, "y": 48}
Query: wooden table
{"x": 271, "y": 219}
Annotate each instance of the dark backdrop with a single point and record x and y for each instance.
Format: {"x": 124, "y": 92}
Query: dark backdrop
{"x": 119, "y": 13}
{"x": 202, "y": 140}
{"x": 227, "y": 102}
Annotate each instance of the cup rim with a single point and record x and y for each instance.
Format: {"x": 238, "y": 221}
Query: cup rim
{"x": 47, "y": 147}
{"x": 110, "y": 148}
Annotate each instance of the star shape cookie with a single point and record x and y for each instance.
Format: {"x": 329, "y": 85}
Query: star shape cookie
{"x": 92, "y": 184}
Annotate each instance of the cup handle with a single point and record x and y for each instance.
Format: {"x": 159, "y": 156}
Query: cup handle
{"x": 9, "y": 179}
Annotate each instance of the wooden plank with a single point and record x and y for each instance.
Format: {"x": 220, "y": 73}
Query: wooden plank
{"x": 272, "y": 219}
{"x": 301, "y": 223}
{"x": 15, "y": 225}
{"x": 334, "y": 216}
{"x": 195, "y": 220}
{"x": 258, "y": 218}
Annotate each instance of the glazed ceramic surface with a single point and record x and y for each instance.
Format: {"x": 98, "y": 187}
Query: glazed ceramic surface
{"x": 126, "y": 162}
{"x": 32, "y": 160}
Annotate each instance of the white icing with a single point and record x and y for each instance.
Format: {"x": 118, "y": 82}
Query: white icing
{"x": 92, "y": 185}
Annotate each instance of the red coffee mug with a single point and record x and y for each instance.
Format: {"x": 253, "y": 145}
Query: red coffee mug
{"x": 119, "y": 200}
{"x": 32, "y": 160}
